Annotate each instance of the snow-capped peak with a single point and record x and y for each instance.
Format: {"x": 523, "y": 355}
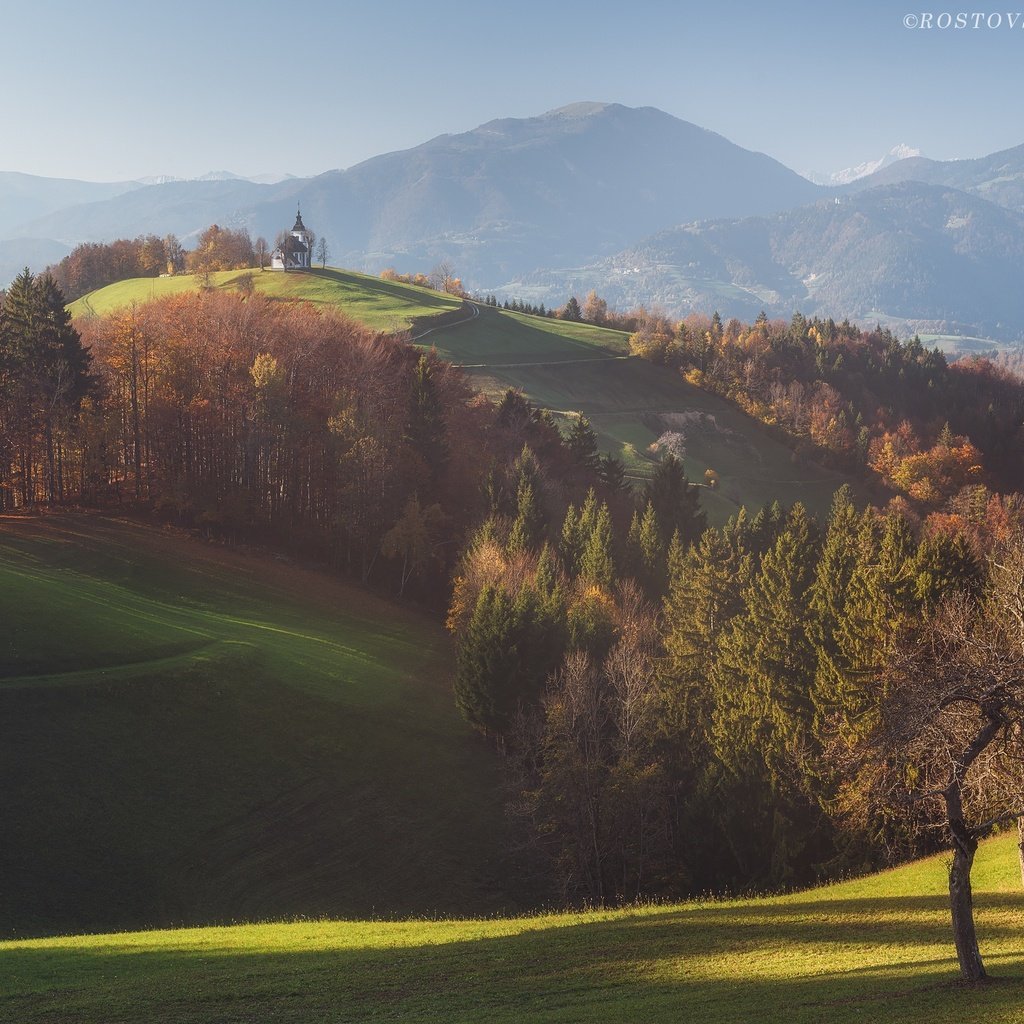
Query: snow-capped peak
{"x": 848, "y": 174}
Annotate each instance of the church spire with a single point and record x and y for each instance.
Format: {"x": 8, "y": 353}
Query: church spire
{"x": 299, "y": 226}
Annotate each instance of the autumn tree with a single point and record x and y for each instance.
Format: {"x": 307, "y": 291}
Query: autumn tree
{"x": 947, "y": 747}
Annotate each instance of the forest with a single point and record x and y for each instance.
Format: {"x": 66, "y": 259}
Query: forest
{"x": 679, "y": 708}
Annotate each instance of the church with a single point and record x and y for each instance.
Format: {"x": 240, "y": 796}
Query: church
{"x": 296, "y": 249}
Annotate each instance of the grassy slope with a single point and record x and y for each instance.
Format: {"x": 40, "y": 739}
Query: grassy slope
{"x": 579, "y": 368}
{"x": 189, "y": 735}
{"x": 381, "y": 305}
{"x": 874, "y": 949}
{"x": 563, "y": 366}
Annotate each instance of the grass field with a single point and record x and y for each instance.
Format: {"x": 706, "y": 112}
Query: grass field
{"x": 562, "y": 366}
{"x": 381, "y": 305}
{"x": 192, "y": 735}
{"x": 876, "y": 949}
{"x": 571, "y": 368}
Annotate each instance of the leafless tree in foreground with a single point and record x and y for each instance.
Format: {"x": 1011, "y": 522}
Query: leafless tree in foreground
{"x": 947, "y": 744}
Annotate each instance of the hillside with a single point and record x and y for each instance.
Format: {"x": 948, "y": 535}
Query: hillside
{"x": 380, "y": 305}
{"x": 572, "y": 368}
{"x": 562, "y": 366}
{"x": 194, "y": 735}
{"x": 917, "y": 257}
{"x": 874, "y": 949}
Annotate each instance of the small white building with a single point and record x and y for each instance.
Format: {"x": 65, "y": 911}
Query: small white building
{"x": 296, "y": 250}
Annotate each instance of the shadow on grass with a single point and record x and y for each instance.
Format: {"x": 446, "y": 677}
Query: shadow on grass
{"x": 879, "y": 960}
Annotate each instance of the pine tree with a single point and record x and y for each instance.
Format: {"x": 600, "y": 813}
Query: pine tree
{"x": 576, "y": 530}
{"x": 767, "y": 656}
{"x": 426, "y": 428}
{"x": 830, "y": 592}
{"x": 528, "y": 526}
{"x": 46, "y": 371}
{"x": 597, "y": 565}
{"x": 676, "y": 502}
{"x": 581, "y": 443}
{"x": 613, "y": 474}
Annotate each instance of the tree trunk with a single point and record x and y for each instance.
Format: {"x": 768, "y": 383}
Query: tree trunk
{"x": 961, "y": 903}
{"x": 1020, "y": 847}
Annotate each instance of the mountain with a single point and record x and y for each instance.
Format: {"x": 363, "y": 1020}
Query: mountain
{"x": 25, "y": 197}
{"x": 182, "y": 207}
{"x": 574, "y": 183}
{"x": 571, "y": 185}
{"x": 34, "y": 253}
{"x": 850, "y": 174}
{"x": 999, "y": 177}
{"x": 916, "y": 256}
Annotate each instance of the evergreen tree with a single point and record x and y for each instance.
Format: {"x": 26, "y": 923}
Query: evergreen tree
{"x": 613, "y": 474}
{"x": 528, "y": 527}
{"x": 426, "y": 429}
{"x": 676, "y": 502}
{"x": 576, "y": 530}
{"x": 597, "y": 565}
{"x": 571, "y": 310}
{"x": 581, "y": 443}
{"x": 944, "y": 564}
{"x": 45, "y": 371}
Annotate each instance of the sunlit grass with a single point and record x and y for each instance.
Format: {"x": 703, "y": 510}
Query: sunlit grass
{"x": 871, "y": 949}
{"x": 378, "y": 304}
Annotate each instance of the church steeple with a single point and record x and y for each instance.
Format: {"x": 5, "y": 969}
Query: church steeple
{"x": 299, "y": 226}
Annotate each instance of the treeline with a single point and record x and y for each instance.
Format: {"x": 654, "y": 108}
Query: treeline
{"x": 593, "y": 311}
{"x": 93, "y": 265}
{"x": 858, "y": 399}
{"x": 269, "y": 422}
{"x": 671, "y": 701}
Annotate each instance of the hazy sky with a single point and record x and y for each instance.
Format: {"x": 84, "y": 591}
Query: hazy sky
{"x": 110, "y": 90}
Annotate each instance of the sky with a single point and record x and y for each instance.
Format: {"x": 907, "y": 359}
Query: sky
{"x": 114, "y": 90}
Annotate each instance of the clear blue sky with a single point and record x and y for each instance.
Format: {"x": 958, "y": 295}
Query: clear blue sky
{"x": 112, "y": 89}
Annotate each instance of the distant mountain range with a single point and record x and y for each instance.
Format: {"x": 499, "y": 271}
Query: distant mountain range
{"x": 849, "y": 174}
{"x": 915, "y": 257}
{"x": 540, "y": 205}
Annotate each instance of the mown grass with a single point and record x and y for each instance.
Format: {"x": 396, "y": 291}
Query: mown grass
{"x": 875, "y": 949}
{"x": 191, "y": 735}
{"x": 631, "y": 403}
{"x": 563, "y": 366}
{"x": 380, "y": 305}
{"x": 500, "y": 336}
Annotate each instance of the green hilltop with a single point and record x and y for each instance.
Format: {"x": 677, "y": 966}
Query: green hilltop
{"x": 380, "y": 305}
{"x": 563, "y": 366}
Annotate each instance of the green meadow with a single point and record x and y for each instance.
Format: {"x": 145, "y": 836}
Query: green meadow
{"x": 194, "y": 735}
{"x": 380, "y": 305}
{"x": 875, "y": 949}
{"x": 563, "y": 366}
{"x": 631, "y": 403}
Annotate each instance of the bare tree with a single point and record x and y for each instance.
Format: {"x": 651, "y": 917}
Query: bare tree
{"x": 442, "y": 277}
{"x": 947, "y": 745}
{"x": 261, "y": 251}
{"x": 323, "y": 252}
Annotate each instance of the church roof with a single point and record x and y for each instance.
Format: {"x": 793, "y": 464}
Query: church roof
{"x": 299, "y": 226}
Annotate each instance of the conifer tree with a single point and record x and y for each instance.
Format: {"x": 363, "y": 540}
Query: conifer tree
{"x": 582, "y": 443}
{"x": 426, "y": 430}
{"x": 597, "y": 564}
{"x": 676, "y": 502}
